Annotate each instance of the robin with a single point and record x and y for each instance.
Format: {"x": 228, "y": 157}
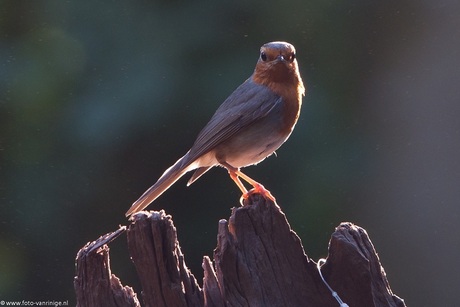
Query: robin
{"x": 253, "y": 122}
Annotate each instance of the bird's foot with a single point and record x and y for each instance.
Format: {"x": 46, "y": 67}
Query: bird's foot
{"x": 258, "y": 189}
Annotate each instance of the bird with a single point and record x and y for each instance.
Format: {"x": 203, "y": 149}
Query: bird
{"x": 250, "y": 125}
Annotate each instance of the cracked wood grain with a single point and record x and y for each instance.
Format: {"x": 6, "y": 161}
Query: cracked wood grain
{"x": 259, "y": 261}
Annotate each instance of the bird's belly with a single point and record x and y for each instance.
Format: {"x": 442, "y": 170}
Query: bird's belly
{"x": 250, "y": 147}
{"x": 252, "y": 155}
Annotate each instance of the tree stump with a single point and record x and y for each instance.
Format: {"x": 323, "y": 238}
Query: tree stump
{"x": 259, "y": 261}
{"x": 94, "y": 284}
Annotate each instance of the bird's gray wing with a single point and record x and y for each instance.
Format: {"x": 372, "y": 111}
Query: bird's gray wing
{"x": 247, "y": 104}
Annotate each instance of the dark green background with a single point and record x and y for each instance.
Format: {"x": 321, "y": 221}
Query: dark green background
{"x": 98, "y": 98}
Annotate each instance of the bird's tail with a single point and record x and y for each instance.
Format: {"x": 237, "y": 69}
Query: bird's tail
{"x": 168, "y": 178}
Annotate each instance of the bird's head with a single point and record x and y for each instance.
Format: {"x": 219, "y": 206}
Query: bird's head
{"x": 277, "y": 64}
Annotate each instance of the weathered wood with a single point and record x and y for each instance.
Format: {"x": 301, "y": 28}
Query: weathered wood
{"x": 258, "y": 261}
{"x": 212, "y": 295}
{"x": 353, "y": 269}
{"x": 160, "y": 266}
{"x": 94, "y": 283}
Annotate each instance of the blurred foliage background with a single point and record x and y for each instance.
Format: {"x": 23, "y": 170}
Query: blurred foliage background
{"x": 98, "y": 98}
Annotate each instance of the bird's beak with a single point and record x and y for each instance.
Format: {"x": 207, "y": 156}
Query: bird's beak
{"x": 281, "y": 58}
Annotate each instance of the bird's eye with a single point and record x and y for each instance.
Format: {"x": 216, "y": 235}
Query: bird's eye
{"x": 263, "y": 56}
{"x": 292, "y": 57}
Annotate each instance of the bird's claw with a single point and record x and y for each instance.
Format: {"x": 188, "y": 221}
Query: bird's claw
{"x": 258, "y": 189}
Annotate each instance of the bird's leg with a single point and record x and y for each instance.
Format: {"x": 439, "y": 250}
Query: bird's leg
{"x": 238, "y": 182}
{"x": 236, "y": 174}
{"x": 232, "y": 172}
{"x": 258, "y": 188}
